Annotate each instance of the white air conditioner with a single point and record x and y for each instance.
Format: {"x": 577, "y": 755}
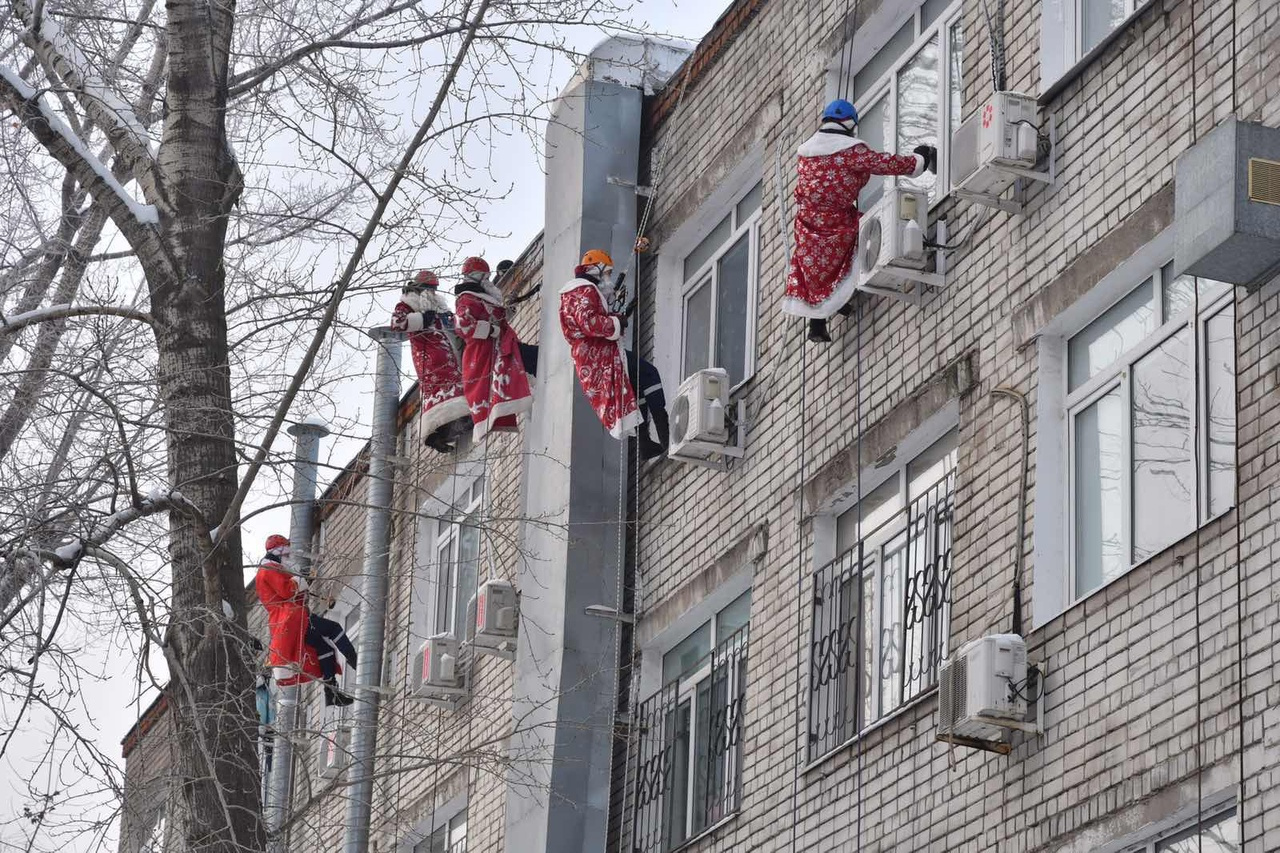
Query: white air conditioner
{"x": 995, "y": 146}
{"x": 983, "y": 686}
{"x": 333, "y": 751}
{"x": 892, "y": 258}
{"x": 493, "y": 622}
{"x": 436, "y": 672}
{"x": 699, "y": 429}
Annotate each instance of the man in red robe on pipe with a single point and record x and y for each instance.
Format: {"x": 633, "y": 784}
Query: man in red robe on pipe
{"x": 303, "y": 645}
{"x": 494, "y": 378}
{"x": 605, "y": 369}
{"x": 436, "y": 352}
{"x": 832, "y": 168}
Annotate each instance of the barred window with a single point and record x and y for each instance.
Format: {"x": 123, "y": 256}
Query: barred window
{"x": 881, "y": 610}
{"x": 449, "y": 837}
{"x": 688, "y": 773}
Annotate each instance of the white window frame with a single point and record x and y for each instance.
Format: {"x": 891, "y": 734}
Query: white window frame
{"x": 1184, "y": 829}
{"x": 886, "y": 86}
{"x": 441, "y": 518}
{"x": 708, "y": 275}
{"x": 1054, "y": 531}
{"x": 451, "y": 817}
{"x": 668, "y": 347}
{"x": 1119, "y": 376}
{"x": 1062, "y": 50}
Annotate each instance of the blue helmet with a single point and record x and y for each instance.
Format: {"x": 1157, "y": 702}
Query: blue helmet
{"x": 840, "y": 110}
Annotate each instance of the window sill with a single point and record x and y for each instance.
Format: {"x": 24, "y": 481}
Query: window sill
{"x": 1066, "y": 77}
{"x": 709, "y": 831}
{"x": 877, "y": 725}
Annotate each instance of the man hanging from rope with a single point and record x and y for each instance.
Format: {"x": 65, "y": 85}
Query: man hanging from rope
{"x": 302, "y": 644}
{"x": 832, "y": 168}
{"x": 604, "y": 367}
{"x": 494, "y": 378}
{"x": 436, "y": 351}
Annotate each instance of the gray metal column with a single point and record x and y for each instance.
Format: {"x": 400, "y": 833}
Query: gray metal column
{"x": 307, "y": 435}
{"x": 373, "y": 589}
{"x": 566, "y": 662}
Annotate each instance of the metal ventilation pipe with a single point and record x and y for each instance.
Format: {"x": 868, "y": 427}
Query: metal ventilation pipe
{"x": 307, "y": 435}
{"x": 373, "y": 589}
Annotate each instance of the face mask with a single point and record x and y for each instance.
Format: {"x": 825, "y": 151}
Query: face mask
{"x": 606, "y": 278}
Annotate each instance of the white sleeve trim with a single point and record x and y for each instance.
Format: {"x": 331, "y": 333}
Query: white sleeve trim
{"x": 482, "y": 328}
{"x": 617, "y": 329}
{"x": 920, "y": 164}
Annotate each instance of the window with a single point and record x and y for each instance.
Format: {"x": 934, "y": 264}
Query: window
{"x": 1072, "y": 29}
{"x": 449, "y": 837}
{"x": 911, "y": 93}
{"x": 881, "y": 610}
{"x": 719, "y": 294}
{"x": 457, "y": 560}
{"x": 1146, "y": 383}
{"x": 690, "y": 746}
{"x": 1217, "y": 834}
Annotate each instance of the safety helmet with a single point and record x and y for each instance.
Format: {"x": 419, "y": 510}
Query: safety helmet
{"x": 276, "y": 543}
{"x": 474, "y": 265}
{"x": 597, "y": 257}
{"x": 840, "y": 111}
{"x": 425, "y": 279}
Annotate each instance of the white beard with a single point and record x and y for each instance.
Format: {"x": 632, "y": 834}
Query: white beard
{"x": 425, "y": 300}
{"x": 492, "y": 289}
{"x": 413, "y": 299}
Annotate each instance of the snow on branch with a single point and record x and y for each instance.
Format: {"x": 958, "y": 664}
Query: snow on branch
{"x": 17, "y": 322}
{"x": 64, "y": 145}
{"x": 69, "y": 553}
{"x": 50, "y": 42}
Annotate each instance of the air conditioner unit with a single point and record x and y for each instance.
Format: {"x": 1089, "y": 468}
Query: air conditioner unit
{"x": 892, "y": 259}
{"x": 995, "y": 146}
{"x": 436, "y": 673}
{"x": 983, "y": 686}
{"x": 699, "y": 429}
{"x": 493, "y": 619}
{"x": 334, "y": 751}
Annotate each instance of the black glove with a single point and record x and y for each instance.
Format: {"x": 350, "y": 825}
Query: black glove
{"x": 930, "y": 155}
{"x": 622, "y": 324}
{"x": 428, "y": 317}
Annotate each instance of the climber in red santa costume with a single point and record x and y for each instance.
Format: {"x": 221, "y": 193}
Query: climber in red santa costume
{"x": 833, "y": 167}
{"x": 493, "y": 372}
{"x": 436, "y": 352}
{"x": 283, "y": 593}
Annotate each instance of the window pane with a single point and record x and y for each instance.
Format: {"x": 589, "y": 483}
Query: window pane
{"x": 919, "y": 88}
{"x": 955, "y": 77}
{"x": 1177, "y": 295}
{"x": 1099, "y": 508}
{"x": 1099, "y": 344}
{"x": 930, "y": 11}
{"x": 1220, "y": 385}
{"x": 730, "y": 620}
{"x": 889, "y": 647}
{"x": 873, "y": 129}
{"x": 697, "y": 329}
{"x": 1164, "y": 480}
{"x": 677, "y": 800}
{"x": 467, "y": 570}
{"x": 932, "y": 465}
{"x": 884, "y": 60}
{"x": 702, "y": 756}
{"x": 867, "y": 667}
{"x": 445, "y": 583}
{"x": 1216, "y": 835}
{"x": 686, "y": 656}
{"x": 731, "y": 309}
{"x": 1097, "y": 18}
{"x": 877, "y": 508}
{"x": 707, "y": 248}
{"x": 750, "y": 204}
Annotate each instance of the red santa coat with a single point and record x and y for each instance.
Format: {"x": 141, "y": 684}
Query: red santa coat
{"x": 493, "y": 377}
{"x": 435, "y": 351}
{"x": 594, "y": 336}
{"x": 281, "y": 593}
{"x": 832, "y": 169}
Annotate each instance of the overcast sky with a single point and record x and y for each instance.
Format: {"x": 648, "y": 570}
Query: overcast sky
{"x": 109, "y": 703}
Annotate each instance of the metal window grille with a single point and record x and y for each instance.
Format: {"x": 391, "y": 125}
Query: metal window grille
{"x": 689, "y": 772}
{"x": 870, "y": 654}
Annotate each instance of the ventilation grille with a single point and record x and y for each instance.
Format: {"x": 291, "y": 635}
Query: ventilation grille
{"x": 1264, "y": 181}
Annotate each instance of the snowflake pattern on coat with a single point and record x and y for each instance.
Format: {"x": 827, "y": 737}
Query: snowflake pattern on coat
{"x": 594, "y": 337}
{"x": 436, "y": 354}
{"x": 287, "y": 617}
{"x": 493, "y": 377}
{"x": 826, "y": 223}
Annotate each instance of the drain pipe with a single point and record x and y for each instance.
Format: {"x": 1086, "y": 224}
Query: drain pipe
{"x": 307, "y": 435}
{"x": 373, "y": 589}
{"x": 1019, "y": 555}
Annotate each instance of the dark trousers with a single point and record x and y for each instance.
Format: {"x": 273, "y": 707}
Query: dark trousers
{"x": 647, "y": 384}
{"x": 328, "y": 638}
{"x": 529, "y": 355}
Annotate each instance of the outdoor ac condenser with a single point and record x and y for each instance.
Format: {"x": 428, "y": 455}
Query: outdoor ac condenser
{"x": 698, "y": 425}
{"x": 334, "y": 751}
{"x": 1001, "y": 133}
{"x": 436, "y": 673}
{"x": 985, "y": 681}
{"x": 494, "y": 620}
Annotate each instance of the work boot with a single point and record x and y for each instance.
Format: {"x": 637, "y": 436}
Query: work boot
{"x": 847, "y": 310}
{"x": 438, "y": 442}
{"x": 333, "y": 695}
{"x": 818, "y": 332}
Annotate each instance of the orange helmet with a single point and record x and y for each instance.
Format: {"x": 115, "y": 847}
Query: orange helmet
{"x": 596, "y": 257}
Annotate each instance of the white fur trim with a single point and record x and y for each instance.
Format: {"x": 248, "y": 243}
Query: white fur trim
{"x": 500, "y": 410}
{"x": 617, "y": 329}
{"x": 920, "y": 164}
{"x": 483, "y": 328}
{"x": 627, "y": 426}
{"x": 822, "y": 144}
{"x": 829, "y": 307}
{"x": 443, "y": 413}
{"x": 576, "y": 283}
{"x": 414, "y": 322}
